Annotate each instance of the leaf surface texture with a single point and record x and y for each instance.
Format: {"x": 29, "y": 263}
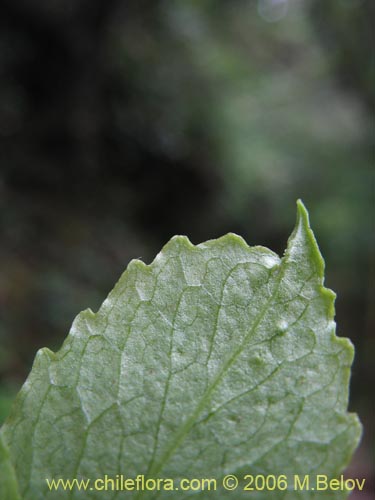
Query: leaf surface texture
{"x": 215, "y": 359}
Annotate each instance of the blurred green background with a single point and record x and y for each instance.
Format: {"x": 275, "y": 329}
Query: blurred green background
{"x": 123, "y": 123}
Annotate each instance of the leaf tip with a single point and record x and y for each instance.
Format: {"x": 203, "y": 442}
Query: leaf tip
{"x": 302, "y": 245}
{"x": 302, "y": 213}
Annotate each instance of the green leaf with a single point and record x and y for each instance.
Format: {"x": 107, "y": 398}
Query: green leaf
{"x": 215, "y": 359}
{"x": 8, "y": 483}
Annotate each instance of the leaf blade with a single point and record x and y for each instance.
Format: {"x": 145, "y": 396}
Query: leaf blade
{"x": 160, "y": 381}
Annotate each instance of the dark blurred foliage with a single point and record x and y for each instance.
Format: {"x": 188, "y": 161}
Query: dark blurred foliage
{"x": 125, "y": 122}
{"x": 347, "y": 29}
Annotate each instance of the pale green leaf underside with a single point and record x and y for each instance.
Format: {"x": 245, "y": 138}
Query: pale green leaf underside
{"x": 218, "y": 358}
{"x": 8, "y": 484}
